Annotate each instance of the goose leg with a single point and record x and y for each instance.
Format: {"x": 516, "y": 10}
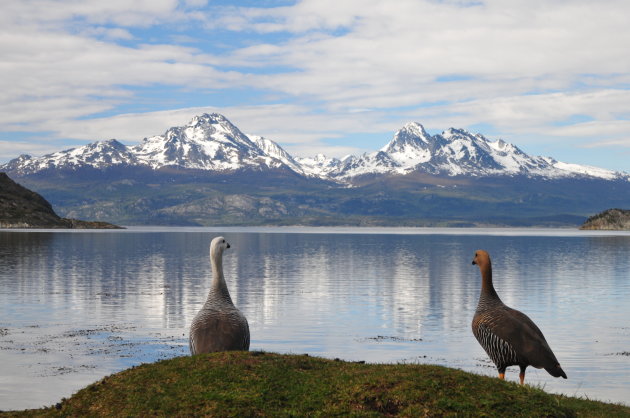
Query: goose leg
{"x": 501, "y": 376}
{"x": 521, "y": 375}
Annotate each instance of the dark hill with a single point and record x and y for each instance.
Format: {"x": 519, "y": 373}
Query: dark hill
{"x": 611, "y": 219}
{"x": 23, "y": 208}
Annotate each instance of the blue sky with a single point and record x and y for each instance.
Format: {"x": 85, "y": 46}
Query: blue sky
{"x": 319, "y": 76}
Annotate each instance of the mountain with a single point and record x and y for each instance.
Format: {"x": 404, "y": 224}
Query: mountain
{"x": 23, "y": 208}
{"x": 98, "y": 155}
{"x": 274, "y": 150}
{"x": 208, "y": 172}
{"x": 208, "y": 142}
{"x": 455, "y": 152}
{"x": 20, "y": 207}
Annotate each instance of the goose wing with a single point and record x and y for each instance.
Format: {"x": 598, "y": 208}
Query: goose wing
{"x": 527, "y": 340}
{"x": 218, "y": 331}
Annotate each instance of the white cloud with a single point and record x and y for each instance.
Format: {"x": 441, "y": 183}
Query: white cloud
{"x": 590, "y": 129}
{"x": 119, "y": 12}
{"x": 12, "y": 149}
{"x": 298, "y": 131}
{"x": 623, "y": 142}
{"x": 107, "y": 33}
{"x": 48, "y": 77}
{"x": 523, "y": 67}
{"x": 537, "y": 113}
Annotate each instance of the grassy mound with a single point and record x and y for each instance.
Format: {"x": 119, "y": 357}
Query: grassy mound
{"x": 266, "y": 384}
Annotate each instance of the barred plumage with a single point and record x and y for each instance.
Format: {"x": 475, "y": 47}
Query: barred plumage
{"x": 508, "y": 336}
{"x": 500, "y": 352}
{"x": 219, "y": 325}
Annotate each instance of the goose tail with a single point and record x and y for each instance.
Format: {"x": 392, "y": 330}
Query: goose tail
{"x": 556, "y": 371}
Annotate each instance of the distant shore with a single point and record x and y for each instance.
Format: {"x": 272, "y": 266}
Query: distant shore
{"x": 63, "y": 223}
{"x": 609, "y": 220}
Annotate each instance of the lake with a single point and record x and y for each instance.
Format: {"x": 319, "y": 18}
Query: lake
{"x": 76, "y": 306}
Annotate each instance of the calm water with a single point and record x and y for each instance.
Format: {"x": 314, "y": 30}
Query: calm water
{"x": 76, "y": 306}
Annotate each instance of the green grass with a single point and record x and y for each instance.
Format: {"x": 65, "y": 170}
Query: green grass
{"x": 272, "y": 385}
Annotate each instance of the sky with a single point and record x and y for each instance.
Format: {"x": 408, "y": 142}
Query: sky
{"x": 319, "y": 76}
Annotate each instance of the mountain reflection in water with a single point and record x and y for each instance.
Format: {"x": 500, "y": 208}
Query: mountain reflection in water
{"x": 76, "y": 306}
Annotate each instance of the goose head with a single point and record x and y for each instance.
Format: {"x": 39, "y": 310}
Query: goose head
{"x": 217, "y": 246}
{"x": 482, "y": 259}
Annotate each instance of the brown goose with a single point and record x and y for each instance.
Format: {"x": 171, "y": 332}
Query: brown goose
{"x": 219, "y": 325}
{"x": 508, "y": 336}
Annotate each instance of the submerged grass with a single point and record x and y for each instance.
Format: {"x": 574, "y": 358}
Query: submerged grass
{"x": 267, "y": 384}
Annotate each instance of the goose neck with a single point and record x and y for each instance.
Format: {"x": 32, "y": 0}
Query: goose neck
{"x": 218, "y": 281}
{"x": 487, "y": 288}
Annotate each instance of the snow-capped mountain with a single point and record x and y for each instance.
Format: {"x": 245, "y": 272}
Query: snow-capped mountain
{"x": 211, "y": 142}
{"x": 100, "y": 154}
{"x": 320, "y": 165}
{"x": 274, "y": 150}
{"x": 208, "y": 142}
{"x": 454, "y": 152}
{"x": 370, "y": 189}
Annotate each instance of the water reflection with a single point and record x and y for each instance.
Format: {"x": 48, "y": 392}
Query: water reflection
{"x": 78, "y": 306}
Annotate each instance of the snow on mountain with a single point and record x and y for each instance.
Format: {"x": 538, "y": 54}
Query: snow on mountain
{"x": 411, "y": 145}
{"x": 274, "y": 150}
{"x": 100, "y": 154}
{"x": 208, "y": 142}
{"x": 460, "y": 152}
{"x": 454, "y": 152}
{"x": 319, "y": 165}
{"x": 211, "y": 142}
{"x": 586, "y": 170}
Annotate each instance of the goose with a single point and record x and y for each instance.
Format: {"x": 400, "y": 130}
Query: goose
{"x": 219, "y": 325}
{"x": 508, "y": 336}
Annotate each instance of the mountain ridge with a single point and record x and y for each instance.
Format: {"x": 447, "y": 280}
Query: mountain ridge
{"x": 209, "y": 173}
{"x": 211, "y": 142}
{"x": 452, "y": 153}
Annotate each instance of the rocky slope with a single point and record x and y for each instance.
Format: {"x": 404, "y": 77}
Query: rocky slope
{"x": 211, "y": 143}
{"x": 611, "y": 219}
{"x": 454, "y": 152}
{"x": 23, "y": 208}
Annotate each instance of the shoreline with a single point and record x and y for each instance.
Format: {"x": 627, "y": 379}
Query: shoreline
{"x": 376, "y": 230}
